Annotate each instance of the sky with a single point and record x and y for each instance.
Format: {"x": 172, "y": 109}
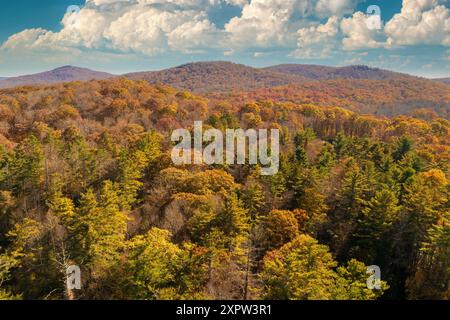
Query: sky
{"x": 121, "y": 36}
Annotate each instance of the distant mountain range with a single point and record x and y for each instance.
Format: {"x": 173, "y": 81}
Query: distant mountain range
{"x": 444, "y": 80}
{"x": 359, "y": 88}
{"x": 63, "y": 74}
{"x": 316, "y": 72}
{"x": 218, "y": 76}
{"x": 226, "y": 76}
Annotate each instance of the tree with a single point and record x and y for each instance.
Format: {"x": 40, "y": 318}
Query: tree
{"x": 233, "y": 219}
{"x": 340, "y": 144}
{"x": 358, "y": 187}
{"x": 7, "y": 263}
{"x": 27, "y": 167}
{"x": 404, "y": 145}
{"x": 304, "y": 269}
{"x": 96, "y": 228}
{"x": 280, "y": 227}
{"x": 253, "y": 198}
{"x": 21, "y": 262}
{"x": 300, "y": 270}
{"x": 431, "y": 279}
{"x": 133, "y": 165}
{"x": 308, "y": 197}
{"x": 82, "y": 161}
{"x": 106, "y": 225}
{"x": 372, "y": 236}
{"x": 158, "y": 269}
{"x": 351, "y": 283}
{"x": 301, "y": 141}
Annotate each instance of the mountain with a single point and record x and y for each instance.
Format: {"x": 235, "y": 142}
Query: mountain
{"x": 360, "y": 88}
{"x": 217, "y": 76}
{"x": 62, "y": 74}
{"x": 444, "y": 80}
{"x": 316, "y": 72}
{"x": 220, "y": 76}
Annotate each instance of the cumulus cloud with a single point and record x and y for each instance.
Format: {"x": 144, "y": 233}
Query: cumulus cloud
{"x": 420, "y": 22}
{"x": 317, "y": 41}
{"x": 149, "y": 27}
{"x": 306, "y": 28}
{"x": 327, "y": 8}
{"x": 266, "y": 23}
{"x": 153, "y": 31}
{"x": 357, "y": 34}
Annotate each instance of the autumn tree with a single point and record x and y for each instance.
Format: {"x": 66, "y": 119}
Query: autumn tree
{"x": 305, "y": 270}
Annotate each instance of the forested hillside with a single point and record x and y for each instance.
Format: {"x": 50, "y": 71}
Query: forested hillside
{"x": 317, "y": 72}
{"x": 86, "y": 179}
{"x": 358, "y": 88}
{"x": 62, "y": 74}
{"x": 217, "y": 76}
{"x": 417, "y": 98}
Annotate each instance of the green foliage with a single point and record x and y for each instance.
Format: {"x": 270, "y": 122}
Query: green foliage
{"x": 86, "y": 178}
{"x": 26, "y": 167}
{"x": 305, "y": 270}
{"x": 159, "y": 269}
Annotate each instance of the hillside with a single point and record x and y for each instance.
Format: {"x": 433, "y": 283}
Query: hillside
{"x": 216, "y": 76}
{"x": 94, "y": 160}
{"x": 316, "y": 72}
{"x": 62, "y": 74}
{"x": 444, "y": 80}
{"x": 219, "y": 76}
{"x": 358, "y": 88}
{"x": 378, "y": 97}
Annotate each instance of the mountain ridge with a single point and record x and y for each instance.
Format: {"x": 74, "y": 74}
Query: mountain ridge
{"x": 60, "y": 74}
{"x": 318, "y": 72}
{"x": 210, "y": 76}
{"x": 443, "y": 80}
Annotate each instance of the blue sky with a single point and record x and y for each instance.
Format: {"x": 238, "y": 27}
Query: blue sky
{"x": 134, "y": 35}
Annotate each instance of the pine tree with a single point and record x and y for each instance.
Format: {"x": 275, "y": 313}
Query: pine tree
{"x": 27, "y": 167}
{"x": 158, "y": 269}
{"x": 431, "y": 279}
{"x": 404, "y": 145}
{"x": 304, "y": 269}
{"x": 372, "y": 236}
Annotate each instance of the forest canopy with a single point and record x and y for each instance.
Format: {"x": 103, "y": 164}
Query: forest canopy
{"x": 86, "y": 179}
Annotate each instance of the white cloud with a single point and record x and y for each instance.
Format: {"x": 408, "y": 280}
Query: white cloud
{"x": 271, "y": 23}
{"x": 357, "y": 34}
{"x": 317, "y": 41}
{"x": 420, "y": 22}
{"x": 153, "y": 31}
{"x": 149, "y": 27}
{"x": 154, "y": 27}
{"x": 327, "y": 8}
{"x": 262, "y": 23}
{"x": 24, "y": 39}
